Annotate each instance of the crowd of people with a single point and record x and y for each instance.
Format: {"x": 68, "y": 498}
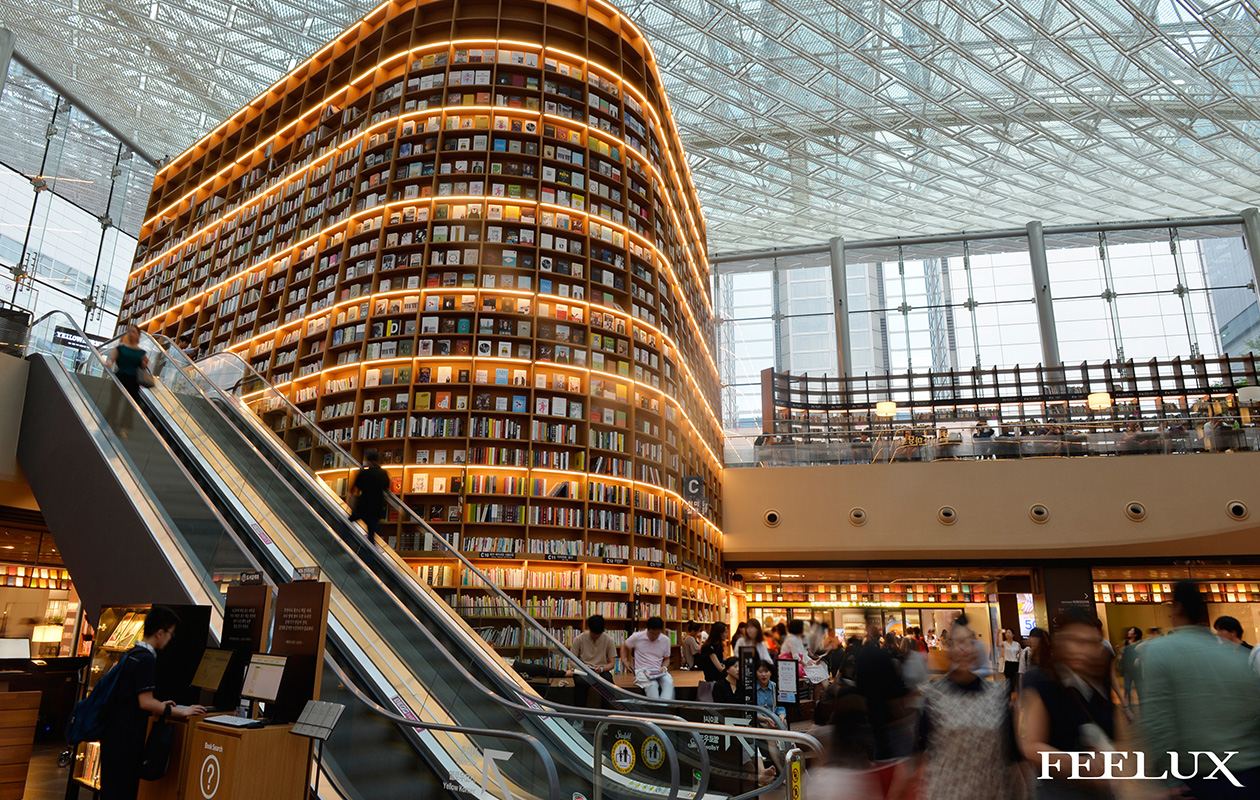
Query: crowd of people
{"x": 1041, "y": 722}
{"x": 1045, "y": 723}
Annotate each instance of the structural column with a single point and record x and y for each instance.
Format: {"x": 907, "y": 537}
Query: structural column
{"x": 1045, "y": 303}
{"x": 6, "y": 54}
{"x": 840, "y": 291}
{"x": 1251, "y": 232}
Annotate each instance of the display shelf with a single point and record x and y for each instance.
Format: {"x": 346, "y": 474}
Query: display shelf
{"x": 480, "y": 253}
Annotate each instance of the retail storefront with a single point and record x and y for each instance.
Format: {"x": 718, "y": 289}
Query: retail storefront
{"x": 895, "y": 600}
{"x": 993, "y": 598}
{"x": 1141, "y": 596}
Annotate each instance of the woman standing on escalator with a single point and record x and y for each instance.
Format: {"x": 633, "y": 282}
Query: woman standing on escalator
{"x": 127, "y": 360}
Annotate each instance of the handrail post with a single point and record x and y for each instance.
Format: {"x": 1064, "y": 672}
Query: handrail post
{"x": 597, "y": 779}
{"x": 796, "y": 774}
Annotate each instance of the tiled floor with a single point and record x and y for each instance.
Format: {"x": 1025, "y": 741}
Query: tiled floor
{"x": 45, "y": 780}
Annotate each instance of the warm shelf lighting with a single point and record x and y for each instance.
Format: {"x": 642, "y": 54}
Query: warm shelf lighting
{"x": 1098, "y": 401}
{"x": 886, "y": 409}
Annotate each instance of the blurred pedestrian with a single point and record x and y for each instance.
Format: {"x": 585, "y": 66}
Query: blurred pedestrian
{"x": 368, "y": 493}
{"x": 130, "y": 364}
{"x": 877, "y": 680}
{"x": 1199, "y": 697}
{"x": 1127, "y": 664}
{"x": 1066, "y": 706}
{"x": 845, "y": 771}
{"x": 1230, "y": 631}
{"x": 1034, "y": 652}
{"x": 793, "y": 644}
{"x": 753, "y": 638}
{"x": 966, "y": 744}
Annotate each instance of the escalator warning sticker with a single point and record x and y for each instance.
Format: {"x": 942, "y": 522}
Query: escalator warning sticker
{"x": 653, "y": 752}
{"x": 258, "y": 530}
{"x": 623, "y": 756}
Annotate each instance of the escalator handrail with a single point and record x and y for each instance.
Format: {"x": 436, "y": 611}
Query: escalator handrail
{"x": 553, "y": 776}
{"x": 564, "y": 712}
{"x": 408, "y": 512}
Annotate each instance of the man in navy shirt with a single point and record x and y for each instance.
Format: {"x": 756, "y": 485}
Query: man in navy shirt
{"x": 122, "y": 746}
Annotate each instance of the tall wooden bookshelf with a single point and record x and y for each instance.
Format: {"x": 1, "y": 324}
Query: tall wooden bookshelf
{"x": 464, "y": 234}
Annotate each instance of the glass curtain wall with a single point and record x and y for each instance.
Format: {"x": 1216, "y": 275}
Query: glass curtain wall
{"x": 1137, "y": 294}
{"x": 1157, "y": 293}
{"x": 72, "y": 199}
{"x": 772, "y": 313}
{"x": 941, "y": 307}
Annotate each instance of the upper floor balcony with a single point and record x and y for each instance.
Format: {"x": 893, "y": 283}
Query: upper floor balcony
{"x": 1086, "y": 410}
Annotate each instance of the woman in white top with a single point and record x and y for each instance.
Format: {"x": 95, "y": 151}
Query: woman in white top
{"x": 1010, "y": 660}
{"x": 753, "y": 638}
{"x": 794, "y": 643}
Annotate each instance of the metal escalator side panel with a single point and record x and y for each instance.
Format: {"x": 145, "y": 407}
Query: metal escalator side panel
{"x": 284, "y": 549}
{"x": 109, "y": 531}
{"x": 386, "y": 565}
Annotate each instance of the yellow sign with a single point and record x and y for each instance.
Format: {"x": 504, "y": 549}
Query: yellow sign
{"x": 794, "y": 787}
{"x": 623, "y": 756}
{"x": 653, "y": 752}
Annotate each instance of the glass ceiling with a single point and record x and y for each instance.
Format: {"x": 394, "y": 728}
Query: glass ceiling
{"x": 802, "y": 118}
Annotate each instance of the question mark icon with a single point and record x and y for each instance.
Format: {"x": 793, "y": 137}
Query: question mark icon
{"x": 210, "y": 776}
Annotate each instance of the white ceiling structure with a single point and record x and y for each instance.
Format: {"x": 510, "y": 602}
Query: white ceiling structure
{"x": 802, "y": 118}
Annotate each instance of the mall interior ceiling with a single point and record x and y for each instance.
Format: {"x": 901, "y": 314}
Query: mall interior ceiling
{"x": 802, "y": 119}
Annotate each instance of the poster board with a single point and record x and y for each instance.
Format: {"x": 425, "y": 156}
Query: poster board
{"x": 299, "y": 630}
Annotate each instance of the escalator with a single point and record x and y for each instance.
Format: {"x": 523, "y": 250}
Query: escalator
{"x": 273, "y": 427}
{"x": 386, "y": 632}
{"x": 270, "y": 423}
{"x": 132, "y": 523}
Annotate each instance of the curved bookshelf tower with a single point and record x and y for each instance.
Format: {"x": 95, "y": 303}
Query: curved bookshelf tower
{"x": 464, "y": 234}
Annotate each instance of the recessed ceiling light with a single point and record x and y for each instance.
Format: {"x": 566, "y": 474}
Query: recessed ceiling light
{"x": 8, "y": 547}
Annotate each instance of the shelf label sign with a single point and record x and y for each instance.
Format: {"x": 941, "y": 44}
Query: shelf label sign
{"x": 693, "y": 493}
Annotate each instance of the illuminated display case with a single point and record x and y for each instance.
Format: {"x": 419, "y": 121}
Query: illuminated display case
{"x": 464, "y": 234}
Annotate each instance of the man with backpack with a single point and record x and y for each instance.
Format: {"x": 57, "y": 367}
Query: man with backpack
{"x": 130, "y": 704}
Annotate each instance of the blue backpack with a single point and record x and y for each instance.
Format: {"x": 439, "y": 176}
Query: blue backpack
{"x": 92, "y": 715}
